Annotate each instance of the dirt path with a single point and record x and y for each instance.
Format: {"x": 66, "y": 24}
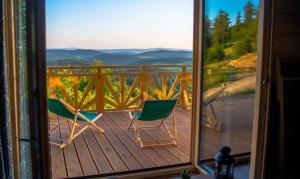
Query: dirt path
{"x": 242, "y": 84}
{"x": 245, "y": 83}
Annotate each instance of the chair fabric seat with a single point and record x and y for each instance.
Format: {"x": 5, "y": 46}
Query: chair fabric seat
{"x": 55, "y": 106}
{"x": 138, "y": 114}
{"x": 156, "y": 110}
{"x": 89, "y": 115}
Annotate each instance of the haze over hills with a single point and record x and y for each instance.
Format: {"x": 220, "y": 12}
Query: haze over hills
{"x": 85, "y": 57}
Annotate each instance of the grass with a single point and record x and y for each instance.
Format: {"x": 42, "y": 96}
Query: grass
{"x": 244, "y": 92}
{"x": 220, "y": 72}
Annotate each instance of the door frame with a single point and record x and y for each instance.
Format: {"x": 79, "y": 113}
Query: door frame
{"x": 38, "y": 95}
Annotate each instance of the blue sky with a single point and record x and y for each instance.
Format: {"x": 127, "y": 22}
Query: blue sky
{"x": 230, "y": 6}
{"x": 112, "y": 24}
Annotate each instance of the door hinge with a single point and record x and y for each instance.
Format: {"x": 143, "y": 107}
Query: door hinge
{"x": 27, "y": 140}
{"x": 266, "y": 80}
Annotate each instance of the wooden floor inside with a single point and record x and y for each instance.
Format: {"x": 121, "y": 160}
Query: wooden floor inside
{"x": 93, "y": 153}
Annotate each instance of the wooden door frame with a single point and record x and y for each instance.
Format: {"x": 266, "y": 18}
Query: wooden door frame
{"x": 37, "y": 63}
{"x": 263, "y": 90}
{"x": 37, "y": 91}
{"x": 37, "y": 49}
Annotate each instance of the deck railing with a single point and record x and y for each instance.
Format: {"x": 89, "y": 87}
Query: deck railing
{"x": 100, "y": 88}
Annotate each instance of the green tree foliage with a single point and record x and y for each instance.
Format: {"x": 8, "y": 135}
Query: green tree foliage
{"x": 250, "y": 13}
{"x": 207, "y": 32}
{"x": 223, "y": 40}
{"x": 238, "y": 22}
{"x": 213, "y": 54}
{"x": 240, "y": 38}
{"x": 243, "y": 46}
{"x": 221, "y": 28}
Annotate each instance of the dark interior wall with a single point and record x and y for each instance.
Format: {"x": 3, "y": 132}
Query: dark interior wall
{"x": 284, "y": 126}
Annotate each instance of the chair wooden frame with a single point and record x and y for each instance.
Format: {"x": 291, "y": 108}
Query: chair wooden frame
{"x": 75, "y": 124}
{"x": 134, "y": 125}
{"x": 213, "y": 122}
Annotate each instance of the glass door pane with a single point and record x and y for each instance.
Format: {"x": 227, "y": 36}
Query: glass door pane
{"x": 230, "y": 43}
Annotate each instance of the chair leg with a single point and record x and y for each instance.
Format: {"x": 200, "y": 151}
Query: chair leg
{"x": 131, "y": 120}
{"x": 170, "y": 134}
{"x": 73, "y": 129}
{"x": 97, "y": 127}
{"x": 138, "y": 138}
{"x": 57, "y": 126}
{"x": 161, "y": 123}
{"x": 174, "y": 125}
{"x": 215, "y": 123}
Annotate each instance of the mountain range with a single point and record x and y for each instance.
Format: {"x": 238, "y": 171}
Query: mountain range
{"x": 86, "y": 57}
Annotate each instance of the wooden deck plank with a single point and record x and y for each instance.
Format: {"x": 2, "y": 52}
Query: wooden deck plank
{"x": 131, "y": 146}
{"x": 72, "y": 162}
{"x": 101, "y": 161}
{"x": 58, "y": 166}
{"x": 127, "y": 157}
{"x": 87, "y": 163}
{"x": 119, "y": 119}
{"x": 172, "y": 149}
{"x": 164, "y": 152}
{"x": 110, "y": 153}
{"x": 107, "y": 156}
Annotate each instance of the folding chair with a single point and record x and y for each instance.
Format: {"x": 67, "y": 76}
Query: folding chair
{"x": 153, "y": 110}
{"x": 213, "y": 122}
{"x": 75, "y": 117}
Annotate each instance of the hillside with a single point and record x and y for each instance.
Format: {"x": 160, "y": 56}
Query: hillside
{"x": 84, "y": 57}
{"x": 245, "y": 61}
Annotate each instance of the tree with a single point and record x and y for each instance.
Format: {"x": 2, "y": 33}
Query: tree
{"x": 242, "y": 47}
{"x": 207, "y": 33}
{"x": 238, "y": 21}
{"x": 221, "y": 28}
{"x": 250, "y": 12}
{"x": 214, "y": 53}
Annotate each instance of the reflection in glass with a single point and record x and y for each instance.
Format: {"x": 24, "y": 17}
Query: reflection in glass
{"x": 229, "y": 76}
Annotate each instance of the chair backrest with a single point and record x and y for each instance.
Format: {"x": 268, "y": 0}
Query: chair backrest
{"x": 213, "y": 95}
{"x": 57, "y": 107}
{"x": 157, "y": 109}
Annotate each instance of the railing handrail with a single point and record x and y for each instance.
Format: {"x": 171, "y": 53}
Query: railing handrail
{"x": 125, "y": 96}
{"x": 117, "y": 66}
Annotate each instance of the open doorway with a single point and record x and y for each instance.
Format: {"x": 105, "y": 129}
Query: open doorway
{"x": 104, "y": 58}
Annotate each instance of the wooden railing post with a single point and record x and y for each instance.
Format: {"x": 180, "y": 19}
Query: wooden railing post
{"x": 184, "y": 88}
{"x": 122, "y": 91}
{"x": 164, "y": 84}
{"x": 99, "y": 91}
{"x": 51, "y": 85}
{"x": 144, "y": 82}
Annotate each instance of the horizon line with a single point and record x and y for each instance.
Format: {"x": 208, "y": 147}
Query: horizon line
{"x": 77, "y": 48}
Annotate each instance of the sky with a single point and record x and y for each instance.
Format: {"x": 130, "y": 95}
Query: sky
{"x": 120, "y": 24}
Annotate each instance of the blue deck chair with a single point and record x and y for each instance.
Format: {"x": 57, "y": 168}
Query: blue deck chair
{"x": 75, "y": 117}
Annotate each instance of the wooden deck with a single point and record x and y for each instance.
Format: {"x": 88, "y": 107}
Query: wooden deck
{"x": 94, "y": 153}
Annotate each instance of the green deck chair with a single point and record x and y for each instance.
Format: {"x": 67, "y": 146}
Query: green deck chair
{"x": 75, "y": 117}
{"x": 154, "y": 110}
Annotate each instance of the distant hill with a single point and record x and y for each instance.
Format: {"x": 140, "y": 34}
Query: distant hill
{"x": 58, "y": 54}
{"x": 166, "y": 54}
{"x": 84, "y": 57}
